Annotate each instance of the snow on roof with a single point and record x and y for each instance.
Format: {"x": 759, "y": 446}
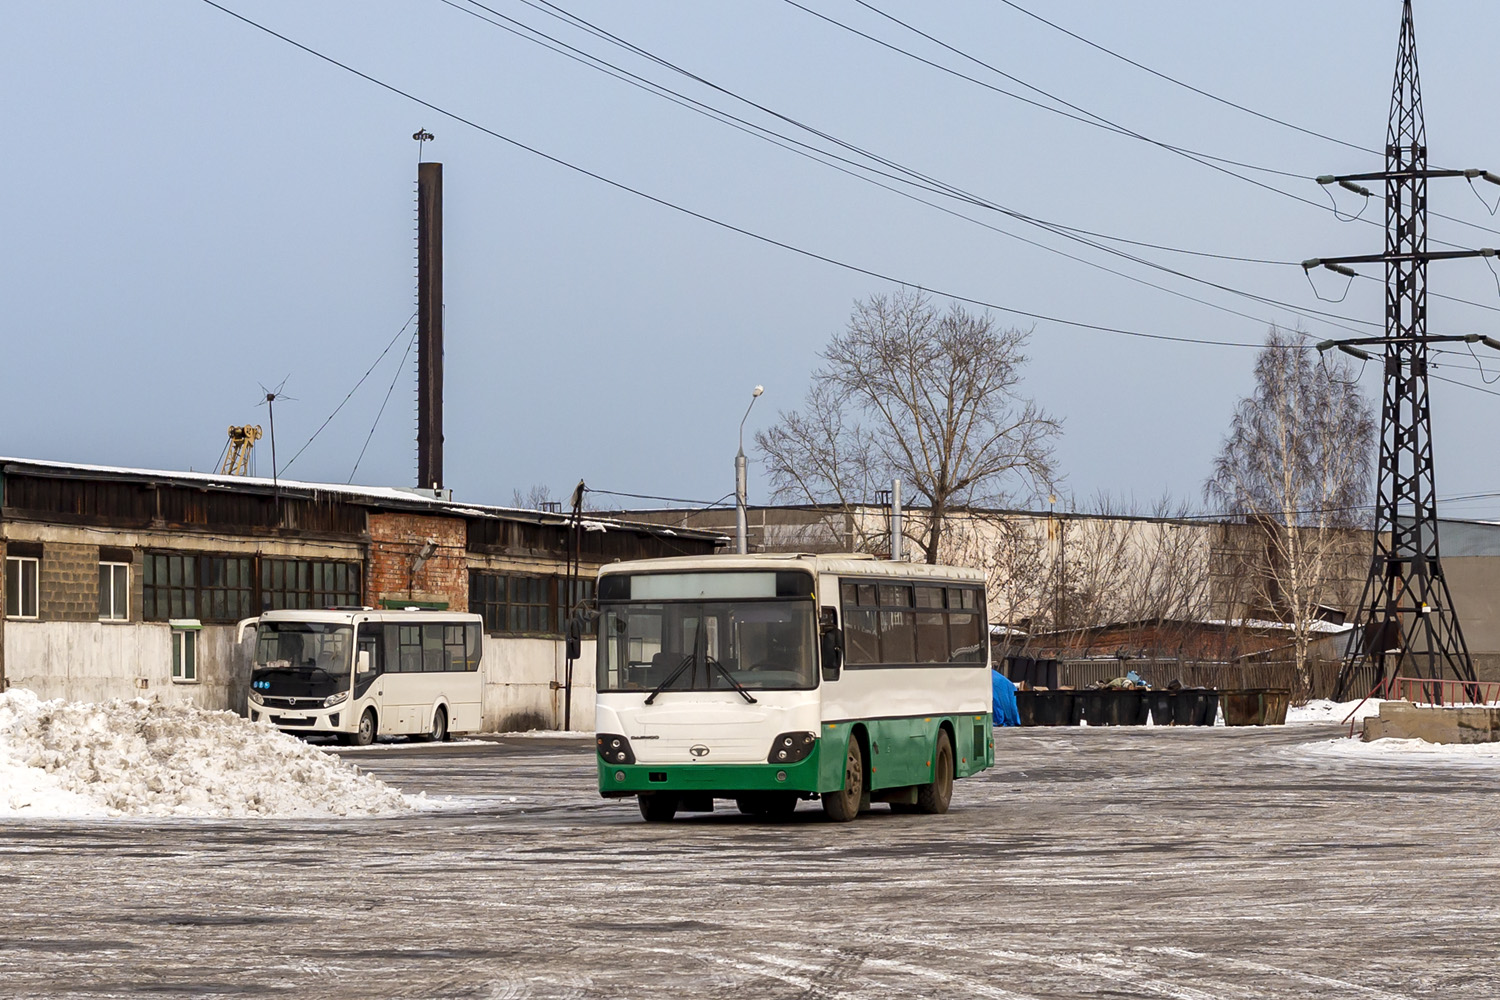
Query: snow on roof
{"x": 380, "y": 495}
{"x": 1263, "y": 625}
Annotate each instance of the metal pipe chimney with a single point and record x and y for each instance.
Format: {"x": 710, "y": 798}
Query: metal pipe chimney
{"x": 430, "y": 326}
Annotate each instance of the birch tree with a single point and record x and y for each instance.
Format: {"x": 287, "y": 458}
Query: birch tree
{"x": 1296, "y": 462}
{"x": 927, "y": 395}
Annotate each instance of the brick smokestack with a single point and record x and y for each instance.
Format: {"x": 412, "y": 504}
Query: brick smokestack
{"x": 430, "y": 325}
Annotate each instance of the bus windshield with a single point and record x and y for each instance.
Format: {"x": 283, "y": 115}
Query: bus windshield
{"x": 302, "y": 659}
{"x": 760, "y": 645}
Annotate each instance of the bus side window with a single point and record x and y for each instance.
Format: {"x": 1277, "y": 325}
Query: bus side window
{"x": 475, "y": 644}
{"x": 404, "y": 648}
{"x": 434, "y": 654}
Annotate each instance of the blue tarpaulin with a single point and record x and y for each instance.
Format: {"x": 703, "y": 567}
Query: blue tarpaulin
{"x": 1006, "y": 713}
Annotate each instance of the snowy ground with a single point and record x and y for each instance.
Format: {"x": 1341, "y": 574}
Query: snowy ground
{"x": 1198, "y": 864}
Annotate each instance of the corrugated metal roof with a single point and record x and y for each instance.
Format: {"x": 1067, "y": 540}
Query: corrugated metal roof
{"x": 381, "y": 497}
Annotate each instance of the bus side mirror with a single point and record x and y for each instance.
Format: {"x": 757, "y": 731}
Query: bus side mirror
{"x": 831, "y": 642}
{"x": 362, "y": 661}
{"x": 833, "y": 654}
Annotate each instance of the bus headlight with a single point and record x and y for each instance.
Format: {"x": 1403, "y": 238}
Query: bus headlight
{"x": 789, "y": 748}
{"x": 255, "y": 698}
{"x": 615, "y": 749}
{"x": 334, "y": 699}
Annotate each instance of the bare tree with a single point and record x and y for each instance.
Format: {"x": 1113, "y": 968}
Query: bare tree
{"x": 930, "y": 396}
{"x": 535, "y": 497}
{"x": 1296, "y": 463}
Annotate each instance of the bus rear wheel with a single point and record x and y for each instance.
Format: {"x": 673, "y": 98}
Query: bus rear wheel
{"x": 365, "y": 734}
{"x": 657, "y": 807}
{"x": 934, "y": 798}
{"x": 843, "y": 805}
{"x": 439, "y": 731}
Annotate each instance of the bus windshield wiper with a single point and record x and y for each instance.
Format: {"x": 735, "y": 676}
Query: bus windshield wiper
{"x": 687, "y": 661}
{"x": 715, "y": 664}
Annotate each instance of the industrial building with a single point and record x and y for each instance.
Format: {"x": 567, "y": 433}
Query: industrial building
{"x": 128, "y": 582}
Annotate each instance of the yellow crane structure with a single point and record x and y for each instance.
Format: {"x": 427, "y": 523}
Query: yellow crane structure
{"x": 237, "y": 456}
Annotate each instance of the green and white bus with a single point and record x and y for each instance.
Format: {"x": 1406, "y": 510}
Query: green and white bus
{"x": 358, "y": 673}
{"x": 768, "y": 679}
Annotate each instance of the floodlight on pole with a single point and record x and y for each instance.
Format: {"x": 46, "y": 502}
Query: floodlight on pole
{"x": 741, "y": 544}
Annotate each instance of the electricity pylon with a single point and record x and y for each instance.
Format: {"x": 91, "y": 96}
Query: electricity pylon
{"x": 1405, "y": 615}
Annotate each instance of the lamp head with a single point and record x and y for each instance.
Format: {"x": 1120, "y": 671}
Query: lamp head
{"x": 758, "y": 390}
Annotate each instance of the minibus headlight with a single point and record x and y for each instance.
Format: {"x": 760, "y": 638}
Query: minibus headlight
{"x": 255, "y": 697}
{"x": 334, "y": 699}
{"x": 789, "y": 748}
{"x": 615, "y": 749}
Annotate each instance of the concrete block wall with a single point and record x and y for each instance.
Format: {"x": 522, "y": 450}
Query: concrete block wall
{"x": 69, "y": 583}
{"x": 395, "y": 541}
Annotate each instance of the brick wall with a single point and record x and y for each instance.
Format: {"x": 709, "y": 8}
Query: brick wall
{"x": 69, "y": 583}
{"x": 395, "y": 542}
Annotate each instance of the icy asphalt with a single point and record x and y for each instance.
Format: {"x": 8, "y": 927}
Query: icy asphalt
{"x": 1193, "y": 864}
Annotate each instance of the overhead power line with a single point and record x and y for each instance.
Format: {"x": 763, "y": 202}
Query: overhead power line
{"x": 728, "y": 226}
{"x": 1188, "y": 86}
{"x": 351, "y": 393}
{"x": 522, "y": 30}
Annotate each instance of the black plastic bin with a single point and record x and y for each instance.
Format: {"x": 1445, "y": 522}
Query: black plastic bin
{"x": 1188, "y": 706}
{"x": 1132, "y": 707}
{"x": 1053, "y": 708}
{"x": 1163, "y": 707}
{"x": 1208, "y": 712}
{"x": 1098, "y": 707}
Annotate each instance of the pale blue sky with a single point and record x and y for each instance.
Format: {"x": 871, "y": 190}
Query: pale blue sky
{"x": 195, "y": 208}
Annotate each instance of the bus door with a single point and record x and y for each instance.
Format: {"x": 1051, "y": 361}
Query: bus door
{"x": 369, "y": 664}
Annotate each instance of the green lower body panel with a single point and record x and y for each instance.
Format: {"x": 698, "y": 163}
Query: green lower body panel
{"x": 725, "y": 779}
{"x": 897, "y": 753}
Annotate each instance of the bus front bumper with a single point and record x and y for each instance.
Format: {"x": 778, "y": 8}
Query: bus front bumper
{"x": 717, "y": 780}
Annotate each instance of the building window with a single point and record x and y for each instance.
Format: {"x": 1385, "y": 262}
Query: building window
{"x": 170, "y": 586}
{"x": 226, "y": 588}
{"x": 185, "y": 652}
{"x": 216, "y": 587}
{"x": 522, "y": 604}
{"x": 21, "y": 573}
{"x": 114, "y": 592}
{"x": 299, "y": 584}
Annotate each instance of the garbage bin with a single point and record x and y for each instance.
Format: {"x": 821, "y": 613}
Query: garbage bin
{"x": 1256, "y": 707}
{"x": 1026, "y": 706}
{"x": 1163, "y": 707}
{"x": 1052, "y": 708}
{"x": 1132, "y": 707}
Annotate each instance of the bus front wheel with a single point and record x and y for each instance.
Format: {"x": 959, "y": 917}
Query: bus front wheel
{"x": 843, "y": 805}
{"x": 365, "y": 734}
{"x": 657, "y": 807}
{"x": 934, "y": 798}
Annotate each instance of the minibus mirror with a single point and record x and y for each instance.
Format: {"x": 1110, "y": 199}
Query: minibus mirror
{"x": 574, "y": 642}
{"x": 362, "y": 661}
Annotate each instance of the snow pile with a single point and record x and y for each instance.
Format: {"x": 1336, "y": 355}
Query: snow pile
{"x": 1323, "y": 710}
{"x": 141, "y": 758}
{"x": 1408, "y": 751}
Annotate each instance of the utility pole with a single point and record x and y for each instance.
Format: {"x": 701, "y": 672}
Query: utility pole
{"x": 1405, "y": 614}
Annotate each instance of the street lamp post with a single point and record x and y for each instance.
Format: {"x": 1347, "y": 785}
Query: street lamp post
{"x": 741, "y": 544}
